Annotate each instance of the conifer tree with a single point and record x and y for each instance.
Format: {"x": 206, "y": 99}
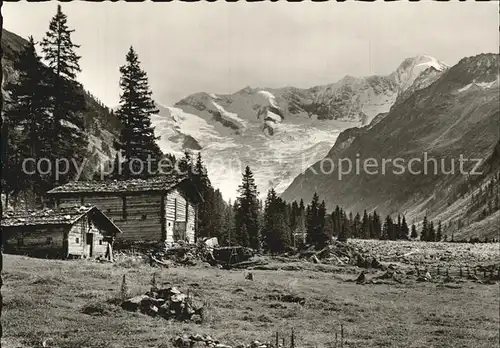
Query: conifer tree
{"x": 322, "y": 237}
{"x": 365, "y": 226}
{"x": 432, "y": 232}
{"x": 388, "y": 229}
{"x": 137, "y": 142}
{"x": 247, "y": 212}
{"x": 275, "y": 232}
{"x": 342, "y": 236}
{"x": 414, "y": 233}
{"x": 67, "y": 132}
{"x": 439, "y": 233}
{"x": 424, "y": 235}
{"x": 404, "y": 232}
{"x": 216, "y": 215}
{"x": 209, "y": 212}
{"x": 397, "y": 228}
{"x": 316, "y": 223}
{"x": 27, "y": 124}
{"x": 59, "y": 48}
{"x": 336, "y": 221}
{"x": 270, "y": 209}
{"x": 312, "y": 219}
{"x": 377, "y": 226}
{"x": 227, "y": 229}
{"x": 301, "y": 224}
{"x": 357, "y": 227}
{"x": 328, "y": 226}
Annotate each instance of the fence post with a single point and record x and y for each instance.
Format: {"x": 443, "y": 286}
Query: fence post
{"x": 461, "y": 273}
{"x": 438, "y": 270}
{"x": 448, "y": 271}
{"x": 277, "y": 339}
{"x": 336, "y": 339}
{"x": 292, "y": 340}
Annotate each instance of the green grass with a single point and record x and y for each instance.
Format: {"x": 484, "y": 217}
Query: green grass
{"x": 71, "y": 302}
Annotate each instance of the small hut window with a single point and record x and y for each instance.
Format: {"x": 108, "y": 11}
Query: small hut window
{"x": 77, "y": 240}
{"x": 100, "y": 241}
{"x": 49, "y": 240}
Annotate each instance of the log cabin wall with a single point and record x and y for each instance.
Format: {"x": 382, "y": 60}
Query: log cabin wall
{"x": 40, "y": 241}
{"x": 76, "y": 238}
{"x": 191, "y": 222}
{"x": 139, "y": 216}
{"x": 84, "y": 239}
{"x": 179, "y": 210}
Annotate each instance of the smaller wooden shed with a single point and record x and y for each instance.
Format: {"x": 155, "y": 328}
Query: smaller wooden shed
{"x": 82, "y": 231}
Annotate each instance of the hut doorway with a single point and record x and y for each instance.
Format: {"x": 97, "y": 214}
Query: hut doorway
{"x": 179, "y": 231}
{"x": 89, "y": 244}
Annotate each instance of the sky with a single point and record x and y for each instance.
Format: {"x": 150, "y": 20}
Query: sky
{"x": 223, "y": 47}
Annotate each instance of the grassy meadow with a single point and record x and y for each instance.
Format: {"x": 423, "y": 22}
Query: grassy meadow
{"x": 72, "y": 304}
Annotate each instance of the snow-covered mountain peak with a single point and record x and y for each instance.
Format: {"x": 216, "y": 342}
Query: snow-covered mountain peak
{"x": 409, "y": 70}
{"x": 258, "y": 124}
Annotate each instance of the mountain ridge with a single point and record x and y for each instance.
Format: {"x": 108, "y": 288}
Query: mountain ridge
{"x": 443, "y": 119}
{"x": 292, "y": 124}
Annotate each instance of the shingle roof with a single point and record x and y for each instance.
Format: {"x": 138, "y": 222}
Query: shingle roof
{"x": 65, "y": 216}
{"x": 163, "y": 183}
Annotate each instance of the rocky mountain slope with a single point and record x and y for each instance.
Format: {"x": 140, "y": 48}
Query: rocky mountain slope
{"x": 455, "y": 114}
{"x": 101, "y": 124}
{"x": 281, "y": 131}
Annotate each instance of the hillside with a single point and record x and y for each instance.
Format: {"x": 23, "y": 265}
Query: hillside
{"x": 279, "y": 132}
{"x": 455, "y": 115}
{"x": 101, "y": 124}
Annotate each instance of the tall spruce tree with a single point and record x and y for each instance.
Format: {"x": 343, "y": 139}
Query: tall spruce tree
{"x": 414, "y": 233}
{"x": 357, "y": 227}
{"x": 404, "y": 232}
{"x": 247, "y": 212}
{"x": 342, "y": 236}
{"x": 432, "y": 232}
{"x": 67, "y": 132}
{"x": 314, "y": 222}
{"x": 227, "y": 229}
{"x": 387, "y": 228}
{"x": 439, "y": 233}
{"x": 208, "y": 211}
{"x": 59, "y": 49}
{"x": 365, "y": 226}
{"x": 275, "y": 232}
{"x": 376, "y": 226}
{"x": 27, "y": 124}
{"x": 137, "y": 142}
{"x": 321, "y": 235}
{"x": 424, "y": 234}
{"x": 270, "y": 209}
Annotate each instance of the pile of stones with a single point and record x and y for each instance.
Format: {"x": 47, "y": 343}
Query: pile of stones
{"x": 169, "y": 303}
{"x": 199, "y": 341}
